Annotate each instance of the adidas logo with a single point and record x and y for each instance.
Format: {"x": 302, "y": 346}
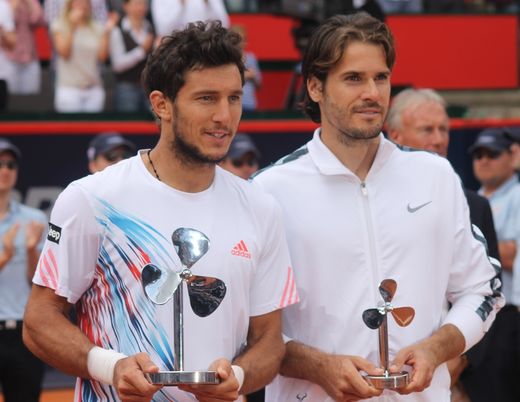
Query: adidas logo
{"x": 241, "y": 250}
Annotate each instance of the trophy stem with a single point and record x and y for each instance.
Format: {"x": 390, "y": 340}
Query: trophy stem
{"x": 178, "y": 329}
{"x": 383, "y": 343}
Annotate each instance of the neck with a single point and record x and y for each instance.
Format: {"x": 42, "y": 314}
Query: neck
{"x": 357, "y": 155}
{"x": 190, "y": 178}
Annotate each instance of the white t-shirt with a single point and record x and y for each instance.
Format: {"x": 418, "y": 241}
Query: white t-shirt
{"x": 407, "y": 221}
{"x": 106, "y": 227}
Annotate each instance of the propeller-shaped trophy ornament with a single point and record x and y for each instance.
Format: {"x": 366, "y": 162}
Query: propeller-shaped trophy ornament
{"x": 376, "y": 318}
{"x": 205, "y": 294}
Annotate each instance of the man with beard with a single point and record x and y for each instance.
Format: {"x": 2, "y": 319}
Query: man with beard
{"x": 106, "y": 228}
{"x": 359, "y": 210}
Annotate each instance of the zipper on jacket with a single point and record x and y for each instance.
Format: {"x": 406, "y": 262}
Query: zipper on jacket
{"x": 371, "y": 242}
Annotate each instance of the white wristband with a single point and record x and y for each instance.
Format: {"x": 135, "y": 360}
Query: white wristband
{"x": 101, "y": 363}
{"x": 239, "y": 374}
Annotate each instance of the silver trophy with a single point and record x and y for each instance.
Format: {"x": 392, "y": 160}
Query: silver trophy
{"x": 376, "y": 318}
{"x": 205, "y": 294}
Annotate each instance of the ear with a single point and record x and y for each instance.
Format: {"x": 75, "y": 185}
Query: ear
{"x": 161, "y": 105}
{"x": 315, "y": 88}
{"x": 394, "y": 136}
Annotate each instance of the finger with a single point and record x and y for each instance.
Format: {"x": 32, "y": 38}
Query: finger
{"x": 145, "y": 363}
{"x": 366, "y": 366}
{"x": 401, "y": 358}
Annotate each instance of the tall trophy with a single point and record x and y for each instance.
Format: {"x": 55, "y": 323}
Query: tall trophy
{"x": 205, "y": 294}
{"x": 376, "y": 318}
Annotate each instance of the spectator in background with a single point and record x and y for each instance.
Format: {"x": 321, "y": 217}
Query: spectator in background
{"x": 492, "y": 165}
{"x": 253, "y": 76}
{"x": 53, "y": 10}
{"x": 130, "y": 43}
{"x": 169, "y": 15}
{"x": 106, "y": 149}
{"x": 28, "y": 15}
{"x": 242, "y": 157}
{"x": 81, "y": 44}
{"x": 21, "y": 233}
{"x": 7, "y": 41}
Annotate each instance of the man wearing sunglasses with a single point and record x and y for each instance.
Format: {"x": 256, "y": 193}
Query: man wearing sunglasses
{"x": 242, "y": 158}
{"x": 21, "y": 234}
{"x": 106, "y": 149}
{"x": 493, "y": 168}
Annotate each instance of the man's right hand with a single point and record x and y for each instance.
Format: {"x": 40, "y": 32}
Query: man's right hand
{"x": 130, "y": 381}
{"x": 341, "y": 380}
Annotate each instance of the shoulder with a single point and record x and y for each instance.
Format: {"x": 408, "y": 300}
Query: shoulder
{"x": 247, "y": 192}
{"x": 292, "y": 164}
{"x": 425, "y": 161}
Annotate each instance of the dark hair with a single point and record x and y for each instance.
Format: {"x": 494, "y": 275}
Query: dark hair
{"x": 328, "y": 43}
{"x": 197, "y": 46}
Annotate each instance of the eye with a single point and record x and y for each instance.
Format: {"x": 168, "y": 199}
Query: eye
{"x": 382, "y": 77}
{"x": 235, "y": 98}
{"x": 353, "y": 77}
{"x": 206, "y": 98}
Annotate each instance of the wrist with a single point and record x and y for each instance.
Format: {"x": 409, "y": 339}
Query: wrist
{"x": 101, "y": 364}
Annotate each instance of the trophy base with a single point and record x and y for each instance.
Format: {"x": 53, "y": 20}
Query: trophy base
{"x": 172, "y": 378}
{"x": 388, "y": 381}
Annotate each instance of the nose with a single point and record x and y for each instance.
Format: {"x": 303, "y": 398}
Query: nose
{"x": 371, "y": 90}
{"x": 222, "y": 112}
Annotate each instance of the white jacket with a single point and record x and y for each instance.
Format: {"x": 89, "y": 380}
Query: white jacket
{"x": 408, "y": 221}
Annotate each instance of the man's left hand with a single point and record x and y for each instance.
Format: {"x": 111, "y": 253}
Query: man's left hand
{"x": 33, "y": 234}
{"x": 423, "y": 361}
{"x": 227, "y": 390}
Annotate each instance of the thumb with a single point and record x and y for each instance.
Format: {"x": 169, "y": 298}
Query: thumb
{"x": 222, "y": 367}
{"x": 145, "y": 363}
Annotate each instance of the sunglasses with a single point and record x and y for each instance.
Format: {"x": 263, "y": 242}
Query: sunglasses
{"x": 241, "y": 162}
{"x": 11, "y": 165}
{"x": 116, "y": 155}
{"x": 488, "y": 153}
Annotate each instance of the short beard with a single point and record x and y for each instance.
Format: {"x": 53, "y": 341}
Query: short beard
{"x": 354, "y": 135}
{"x": 187, "y": 153}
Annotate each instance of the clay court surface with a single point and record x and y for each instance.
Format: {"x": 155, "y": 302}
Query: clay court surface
{"x": 54, "y": 395}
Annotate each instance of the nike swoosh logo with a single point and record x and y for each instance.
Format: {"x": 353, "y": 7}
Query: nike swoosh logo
{"x": 418, "y": 207}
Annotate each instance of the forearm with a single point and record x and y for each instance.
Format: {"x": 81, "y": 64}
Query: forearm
{"x": 260, "y": 363}
{"x": 50, "y": 335}
{"x": 295, "y": 354}
{"x": 446, "y": 343}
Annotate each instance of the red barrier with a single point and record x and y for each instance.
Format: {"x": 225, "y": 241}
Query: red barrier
{"x": 145, "y": 127}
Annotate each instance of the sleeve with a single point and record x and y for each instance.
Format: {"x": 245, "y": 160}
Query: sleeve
{"x": 120, "y": 59}
{"x": 68, "y": 260}
{"x": 474, "y": 284}
{"x": 516, "y": 263}
{"x": 273, "y": 286}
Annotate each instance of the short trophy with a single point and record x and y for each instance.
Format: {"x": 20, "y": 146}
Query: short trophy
{"x": 205, "y": 294}
{"x": 376, "y": 318}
